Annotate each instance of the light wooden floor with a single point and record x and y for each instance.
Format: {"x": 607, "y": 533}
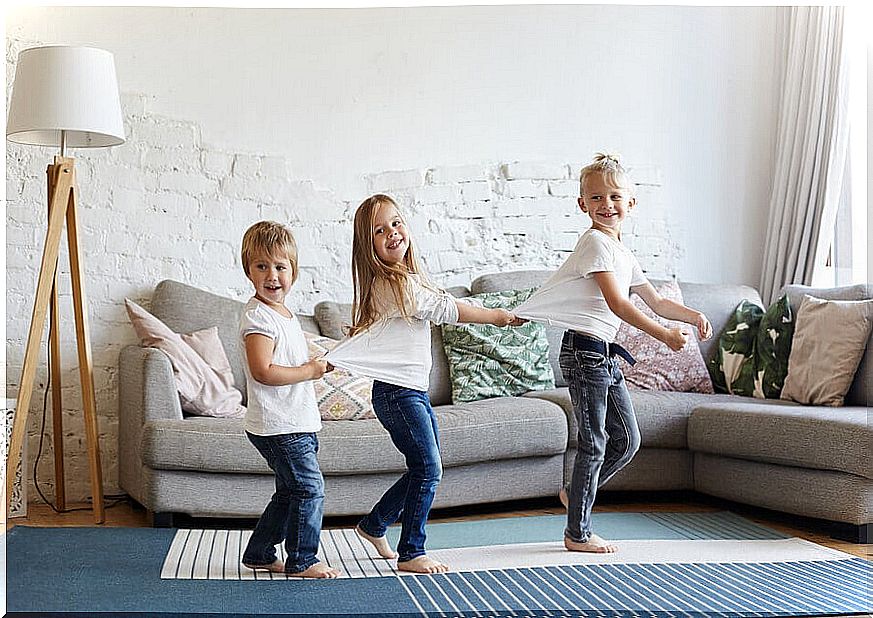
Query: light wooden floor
{"x": 129, "y": 515}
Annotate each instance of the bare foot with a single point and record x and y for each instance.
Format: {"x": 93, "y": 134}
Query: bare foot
{"x": 422, "y": 564}
{"x": 379, "y": 542}
{"x": 319, "y": 570}
{"x": 277, "y": 567}
{"x": 564, "y": 498}
{"x": 594, "y": 545}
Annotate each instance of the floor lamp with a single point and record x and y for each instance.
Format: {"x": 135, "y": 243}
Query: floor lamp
{"x": 64, "y": 97}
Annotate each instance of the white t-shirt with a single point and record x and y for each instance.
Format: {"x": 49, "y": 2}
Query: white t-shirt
{"x": 571, "y": 297}
{"x": 274, "y": 410}
{"x": 394, "y": 349}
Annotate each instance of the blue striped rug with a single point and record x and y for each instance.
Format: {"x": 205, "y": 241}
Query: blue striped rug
{"x": 734, "y": 589}
{"x": 117, "y": 571}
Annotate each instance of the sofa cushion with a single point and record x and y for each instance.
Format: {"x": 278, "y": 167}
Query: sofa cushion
{"x": 733, "y": 368}
{"x": 773, "y": 348}
{"x": 519, "y": 280}
{"x": 489, "y": 361}
{"x": 783, "y": 433}
{"x": 201, "y": 370}
{"x": 662, "y": 416}
{"x": 657, "y": 367}
{"x": 829, "y": 344}
{"x": 495, "y": 429}
{"x": 821, "y": 366}
{"x": 861, "y": 391}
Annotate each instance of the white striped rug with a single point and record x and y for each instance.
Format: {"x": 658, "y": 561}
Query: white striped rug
{"x": 216, "y": 554}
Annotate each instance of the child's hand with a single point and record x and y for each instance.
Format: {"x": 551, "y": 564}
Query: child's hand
{"x": 317, "y": 368}
{"x": 502, "y": 317}
{"x": 704, "y": 328}
{"x": 676, "y": 339}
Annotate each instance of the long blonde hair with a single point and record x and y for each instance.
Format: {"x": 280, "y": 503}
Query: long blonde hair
{"x": 608, "y": 166}
{"x": 367, "y": 267}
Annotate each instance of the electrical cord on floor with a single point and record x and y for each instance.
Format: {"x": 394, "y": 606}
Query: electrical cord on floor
{"x": 115, "y": 499}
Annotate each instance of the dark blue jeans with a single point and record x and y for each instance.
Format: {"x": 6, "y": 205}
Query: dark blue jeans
{"x": 409, "y": 419}
{"x": 295, "y": 510}
{"x": 608, "y": 434}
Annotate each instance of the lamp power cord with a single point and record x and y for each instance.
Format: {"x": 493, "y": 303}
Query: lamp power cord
{"x": 113, "y": 499}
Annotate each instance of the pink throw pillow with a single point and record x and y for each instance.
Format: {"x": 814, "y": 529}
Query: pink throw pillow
{"x": 341, "y": 395}
{"x": 201, "y": 369}
{"x": 658, "y": 367}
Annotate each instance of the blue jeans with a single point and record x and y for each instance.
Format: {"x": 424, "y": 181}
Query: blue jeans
{"x": 608, "y": 434}
{"x": 295, "y": 510}
{"x": 412, "y": 425}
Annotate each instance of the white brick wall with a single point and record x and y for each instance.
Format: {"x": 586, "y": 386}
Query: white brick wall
{"x": 165, "y": 205}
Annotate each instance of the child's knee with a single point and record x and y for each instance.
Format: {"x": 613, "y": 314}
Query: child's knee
{"x": 310, "y": 489}
{"x": 430, "y": 472}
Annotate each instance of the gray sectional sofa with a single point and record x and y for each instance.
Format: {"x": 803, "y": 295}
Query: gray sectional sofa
{"x": 810, "y": 461}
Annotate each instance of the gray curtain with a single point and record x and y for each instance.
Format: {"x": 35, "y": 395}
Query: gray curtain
{"x": 811, "y": 148}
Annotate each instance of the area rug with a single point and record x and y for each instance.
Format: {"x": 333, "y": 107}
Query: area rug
{"x": 672, "y": 566}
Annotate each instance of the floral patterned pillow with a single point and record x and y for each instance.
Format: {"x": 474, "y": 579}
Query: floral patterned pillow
{"x": 658, "y": 367}
{"x": 341, "y": 396}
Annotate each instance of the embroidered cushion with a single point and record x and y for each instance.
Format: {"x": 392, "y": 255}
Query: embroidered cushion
{"x": 772, "y": 349}
{"x": 733, "y": 367}
{"x": 341, "y": 395}
{"x": 658, "y": 367}
{"x": 490, "y": 361}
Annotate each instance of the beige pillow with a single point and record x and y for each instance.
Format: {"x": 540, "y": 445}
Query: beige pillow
{"x": 200, "y": 366}
{"x": 829, "y": 341}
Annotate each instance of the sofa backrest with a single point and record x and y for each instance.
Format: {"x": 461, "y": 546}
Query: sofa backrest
{"x": 716, "y": 300}
{"x": 185, "y": 309}
{"x": 861, "y": 391}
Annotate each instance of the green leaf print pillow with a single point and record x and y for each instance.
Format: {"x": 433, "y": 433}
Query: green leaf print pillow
{"x": 489, "y": 361}
{"x": 773, "y": 348}
{"x": 733, "y": 367}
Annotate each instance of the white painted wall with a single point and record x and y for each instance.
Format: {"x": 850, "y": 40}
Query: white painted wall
{"x": 476, "y": 118}
{"x": 346, "y": 92}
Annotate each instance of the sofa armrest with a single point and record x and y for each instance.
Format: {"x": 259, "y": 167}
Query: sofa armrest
{"x": 146, "y": 392}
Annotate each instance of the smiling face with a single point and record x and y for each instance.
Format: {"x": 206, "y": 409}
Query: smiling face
{"x": 606, "y": 204}
{"x": 390, "y": 238}
{"x": 272, "y": 276}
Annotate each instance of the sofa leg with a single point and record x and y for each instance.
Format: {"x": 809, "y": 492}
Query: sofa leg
{"x": 853, "y": 534}
{"x": 163, "y": 520}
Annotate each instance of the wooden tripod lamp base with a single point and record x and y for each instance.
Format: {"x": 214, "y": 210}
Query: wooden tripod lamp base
{"x": 63, "y": 197}
{"x": 66, "y": 96}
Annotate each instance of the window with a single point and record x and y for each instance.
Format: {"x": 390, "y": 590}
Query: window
{"x": 846, "y": 262}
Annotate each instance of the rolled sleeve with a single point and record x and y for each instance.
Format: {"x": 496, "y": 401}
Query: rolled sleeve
{"x": 436, "y": 306}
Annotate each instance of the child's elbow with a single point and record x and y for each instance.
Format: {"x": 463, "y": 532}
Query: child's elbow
{"x": 260, "y": 374}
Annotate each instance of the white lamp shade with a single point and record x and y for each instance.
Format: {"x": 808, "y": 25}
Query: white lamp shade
{"x": 61, "y": 88}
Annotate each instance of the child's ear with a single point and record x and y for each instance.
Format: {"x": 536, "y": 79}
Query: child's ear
{"x": 632, "y": 203}
{"x": 581, "y": 202}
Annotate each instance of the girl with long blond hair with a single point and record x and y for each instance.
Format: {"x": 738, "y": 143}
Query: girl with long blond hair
{"x": 393, "y": 307}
